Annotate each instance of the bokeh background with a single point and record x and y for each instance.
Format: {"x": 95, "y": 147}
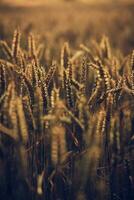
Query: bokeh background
{"x": 75, "y": 21}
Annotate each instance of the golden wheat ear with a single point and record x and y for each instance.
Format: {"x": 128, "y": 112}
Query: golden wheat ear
{"x": 16, "y": 114}
{"x": 38, "y": 110}
{"x": 104, "y": 75}
{"x": 10, "y": 104}
{"x": 65, "y": 55}
{"x": 132, "y": 69}
{"x": 46, "y": 99}
{"x": 22, "y": 121}
{"x": 68, "y": 90}
{"x": 32, "y": 50}
{"x": 55, "y": 96}
{"x": 21, "y": 61}
{"x": 70, "y": 70}
{"x": 35, "y": 75}
{"x": 50, "y": 73}
{"x": 58, "y": 144}
{"x": 84, "y": 75}
{"x": 16, "y": 44}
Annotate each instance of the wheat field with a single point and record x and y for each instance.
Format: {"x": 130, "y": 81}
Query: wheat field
{"x": 66, "y": 103}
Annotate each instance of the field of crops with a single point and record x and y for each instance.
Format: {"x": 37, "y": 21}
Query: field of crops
{"x": 66, "y": 103}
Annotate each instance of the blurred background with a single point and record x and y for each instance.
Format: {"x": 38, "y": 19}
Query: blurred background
{"x": 76, "y": 21}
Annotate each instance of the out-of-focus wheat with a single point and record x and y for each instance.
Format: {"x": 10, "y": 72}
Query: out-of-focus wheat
{"x": 70, "y": 122}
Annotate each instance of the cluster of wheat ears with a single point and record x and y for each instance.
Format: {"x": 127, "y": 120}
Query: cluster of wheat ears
{"x": 66, "y": 128}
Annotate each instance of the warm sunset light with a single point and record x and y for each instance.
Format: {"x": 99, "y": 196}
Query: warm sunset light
{"x": 43, "y": 2}
{"x": 66, "y": 100}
